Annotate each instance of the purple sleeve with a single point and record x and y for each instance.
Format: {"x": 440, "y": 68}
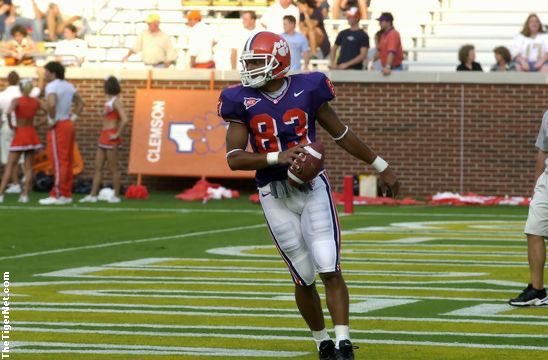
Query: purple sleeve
{"x": 323, "y": 90}
{"x": 228, "y": 109}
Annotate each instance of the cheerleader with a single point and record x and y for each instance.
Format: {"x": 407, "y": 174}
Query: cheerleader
{"x": 25, "y": 141}
{"x": 114, "y": 121}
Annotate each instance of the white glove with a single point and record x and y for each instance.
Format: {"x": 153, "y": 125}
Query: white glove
{"x": 74, "y": 117}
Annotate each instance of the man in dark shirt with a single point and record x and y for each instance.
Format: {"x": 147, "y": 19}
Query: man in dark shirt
{"x": 354, "y": 43}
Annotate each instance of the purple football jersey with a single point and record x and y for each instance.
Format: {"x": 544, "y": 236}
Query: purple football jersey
{"x": 281, "y": 123}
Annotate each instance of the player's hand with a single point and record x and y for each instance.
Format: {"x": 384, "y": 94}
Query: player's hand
{"x": 389, "y": 184}
{"x": 386, "y": 71}
{"x": 291, "y": 155}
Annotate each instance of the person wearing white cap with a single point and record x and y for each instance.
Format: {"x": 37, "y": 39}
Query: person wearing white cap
{"x": 353, "y": 42}
{"x": 155, "y": 46}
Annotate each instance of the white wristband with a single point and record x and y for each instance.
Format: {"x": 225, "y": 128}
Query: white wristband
{"x": 272, "y": 158}
{"x": 379, "y": 164}
{"x": 342, "y": 135}
{"x": 74, "y": 117}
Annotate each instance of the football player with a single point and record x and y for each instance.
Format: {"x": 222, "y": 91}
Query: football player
{"x": 278, "y": 115}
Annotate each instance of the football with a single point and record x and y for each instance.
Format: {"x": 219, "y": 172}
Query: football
{"x": 308, "y": 166}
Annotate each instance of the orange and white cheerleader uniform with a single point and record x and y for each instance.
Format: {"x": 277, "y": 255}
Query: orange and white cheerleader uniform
{"x": 110, "y": 115}
{"x": 26, "y": 137}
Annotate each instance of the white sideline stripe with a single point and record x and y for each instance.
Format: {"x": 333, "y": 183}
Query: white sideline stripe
{"x": 357, "y": 297}
{"x": 258, "y": 311}
{"x": 284, "y": 282}
{"x": 237, "y": 336}
{"x": 411, "y": 240}
{"x": 84, "y": 271}
{"x": 475, "y": 236}
{"x": 246, "y": 270}
{"x": 378, "y": 304}
{"x": 287, "y": 316}
{"x": 259, "y": 212}
{"x": 481, "y": 310}
{"x": 129, "y": 242}
{"x": 426, "y": 253}
{"x": 272, "y": 329}
{"x": 76, "y": 207}
{"x": 163, "y": 334}
{"x": 241, "y": 252}
{"x": 146, "y": 349}
{"x": 353, "y": 243}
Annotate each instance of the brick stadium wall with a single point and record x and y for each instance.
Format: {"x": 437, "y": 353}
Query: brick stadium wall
{"x": 417, "y": 127}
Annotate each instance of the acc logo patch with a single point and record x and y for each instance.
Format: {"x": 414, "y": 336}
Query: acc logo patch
{"x": 250, "y": 102}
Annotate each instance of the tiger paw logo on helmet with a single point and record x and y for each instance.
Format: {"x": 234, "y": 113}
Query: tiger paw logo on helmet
{"x": 280, "y": 47}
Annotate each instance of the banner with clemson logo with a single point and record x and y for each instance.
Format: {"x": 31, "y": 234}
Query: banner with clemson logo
{"x": 178, "y": 133}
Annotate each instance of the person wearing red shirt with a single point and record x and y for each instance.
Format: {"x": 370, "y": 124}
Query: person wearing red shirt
{"x": 25, "y": 141}
{"x": 390, "y": 49}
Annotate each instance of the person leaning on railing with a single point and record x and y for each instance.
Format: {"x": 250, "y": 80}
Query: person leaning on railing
{"x": 20, "y": 50}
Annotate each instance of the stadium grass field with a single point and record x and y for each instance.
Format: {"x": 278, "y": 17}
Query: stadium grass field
{"x": 163, "y": 279}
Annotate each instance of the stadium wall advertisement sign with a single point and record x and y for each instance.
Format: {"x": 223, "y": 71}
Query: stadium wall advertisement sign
{"x": 178, "y": 133}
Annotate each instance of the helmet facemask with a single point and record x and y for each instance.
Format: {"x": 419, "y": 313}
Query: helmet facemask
{"x": 259, "y": 76}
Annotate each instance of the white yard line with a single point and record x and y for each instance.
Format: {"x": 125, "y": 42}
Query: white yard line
{"x": 85, "y": 348}
{"x": 267, "y": 329}
{"x": 503, "y": 319}
{"x": 77, "y": 207}
{"x": 132, "y": 242}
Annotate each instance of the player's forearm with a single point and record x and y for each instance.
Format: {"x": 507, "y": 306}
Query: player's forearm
{"x": 357, "y": 148}
{"x": 245, "y": 160}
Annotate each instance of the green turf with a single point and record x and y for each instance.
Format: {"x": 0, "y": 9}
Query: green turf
{"x": 189, "y": 300}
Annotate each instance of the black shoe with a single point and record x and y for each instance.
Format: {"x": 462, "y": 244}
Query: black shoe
{"x": 327, "y": 350}
{"x": 530, "y": 297}
{"x": 345, "y": 350}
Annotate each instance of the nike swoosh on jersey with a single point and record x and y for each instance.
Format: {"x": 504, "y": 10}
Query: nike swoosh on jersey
{"x": 264, "y": 194}
{"x": 298, "y": 93}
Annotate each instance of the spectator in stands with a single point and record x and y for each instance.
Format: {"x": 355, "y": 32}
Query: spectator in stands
{"x": 71, "y": 51}
{"x": 353, "y": 42}
{"x": 530, "y": 47}
{"x": 298, "y": 45}
{"x": 60, "y": 96}
{"x": 503, "y": 60}
{"x": 56, "y": 24}
{"x": 249, "y": 19}
{"x": 110, "y": 140}
{"x": 7, "y": 96}
{"x": 20, "y": 49}
{"x": 312, "y": 27}
{"x": 272, "y": 19}
{"x": 31, "y": 14}
{"x": 5, "y": 8}
{"x": 156, "y": 46}
{"x": 323, "y": 5}
{"x": 389, "y": 46}
{"x": 373, "y": 61}
{"x": 340, "y": 6}
{"x": 202, "y": 39}
{"x": 467, "y": 58}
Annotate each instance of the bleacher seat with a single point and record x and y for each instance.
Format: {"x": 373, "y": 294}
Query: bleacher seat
{"x": 432, "y": 30}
